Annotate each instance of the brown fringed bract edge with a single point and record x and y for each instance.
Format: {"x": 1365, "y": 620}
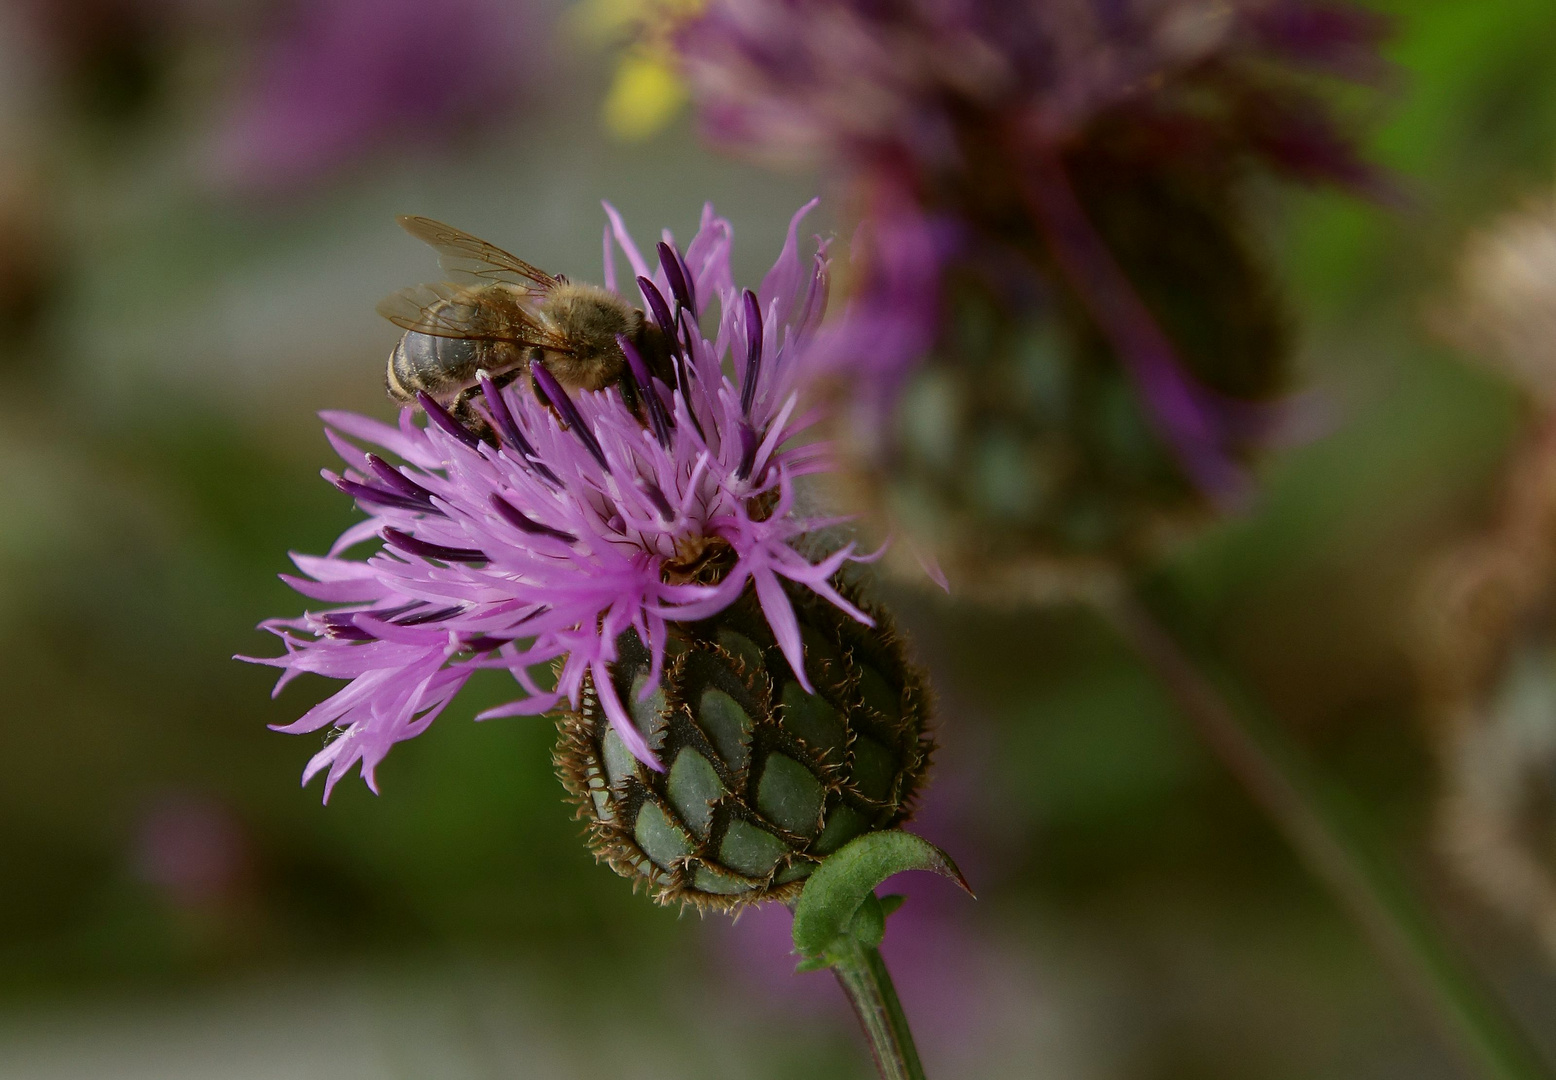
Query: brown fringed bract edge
{"x": 761, "y": 780}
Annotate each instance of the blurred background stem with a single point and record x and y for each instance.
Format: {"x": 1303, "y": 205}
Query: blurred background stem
{"x": 1272, "y": 771}
{"x": 863, "y": 975}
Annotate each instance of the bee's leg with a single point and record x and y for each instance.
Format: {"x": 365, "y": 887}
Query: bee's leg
{"x": 463, "y": 410}
{"x": 511, "y": 375}
{"x": 629, "y": 393}
{"x": 655, "y": 349}
{"x": 537, "y": 358}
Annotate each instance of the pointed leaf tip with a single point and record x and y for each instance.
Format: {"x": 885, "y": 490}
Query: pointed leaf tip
{"x": 846, "y": 880}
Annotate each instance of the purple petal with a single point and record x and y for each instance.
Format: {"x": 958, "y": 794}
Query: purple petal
{"x": 440, "y": 416}
{"x": 753, "y": 327}
{"x": 680, "y": 288}
{"x": 782, "y": 281}
{"x": 605, "y": 689}
{"x": 380, "y": 434}
{"x": 570, "y": 415}
{"x": 610, "y": 262}
{"x": 780, "y": 616}
{"x": 624, "y": 239}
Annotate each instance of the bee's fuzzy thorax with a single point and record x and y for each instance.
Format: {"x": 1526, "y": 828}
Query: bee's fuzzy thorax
{"x": 590, "y": 313}
{"x": 590, "y": 319}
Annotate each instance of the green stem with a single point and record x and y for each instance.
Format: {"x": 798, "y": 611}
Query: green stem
{"x": 1378, "y": 899}
{"x": 864, "y": 977}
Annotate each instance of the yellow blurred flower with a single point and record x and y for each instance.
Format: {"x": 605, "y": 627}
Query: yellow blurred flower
{"x": 644, "y": 97}
{"x": 647, "y": 92}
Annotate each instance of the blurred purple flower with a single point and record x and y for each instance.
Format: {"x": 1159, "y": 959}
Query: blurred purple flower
{"x": 343, "y": 78}
{"x": 957, "y": 123}
{"x": 900, "y": 87}
{"x": 192, "y": 850}
{"x": 581, "y": 524}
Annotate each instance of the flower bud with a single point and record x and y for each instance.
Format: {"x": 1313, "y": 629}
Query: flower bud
{"x": 1505, "y": 311}
{"x": 1487, "y": 659}
{"x": 1486, "y": 647}
{"x": 1065, "y": 347}
{"x": 761, "y": 778}
{"x": 1027, "y": 444}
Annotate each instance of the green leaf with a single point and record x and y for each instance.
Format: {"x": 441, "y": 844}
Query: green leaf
{"x": 838, "y": 889}
{"x": 868, "y": 926}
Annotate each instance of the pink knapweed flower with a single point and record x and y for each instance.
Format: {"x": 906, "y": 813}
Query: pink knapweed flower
{"x": 972, "y": 132}
{"x": 333, "y": 82}
{"x": 583, "y": 519}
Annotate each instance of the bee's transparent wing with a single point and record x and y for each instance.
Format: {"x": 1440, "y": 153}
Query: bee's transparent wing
{"x": 467, "y": 258}
{"x": 444, "y": 310}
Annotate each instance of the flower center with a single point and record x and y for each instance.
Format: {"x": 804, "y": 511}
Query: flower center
{"x": 699, "y": 560}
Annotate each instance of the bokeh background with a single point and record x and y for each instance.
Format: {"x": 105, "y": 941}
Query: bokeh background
{"x": 195, "y": 222}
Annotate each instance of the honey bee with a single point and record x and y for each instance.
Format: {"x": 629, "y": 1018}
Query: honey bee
{"x": 497, "y": 316}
